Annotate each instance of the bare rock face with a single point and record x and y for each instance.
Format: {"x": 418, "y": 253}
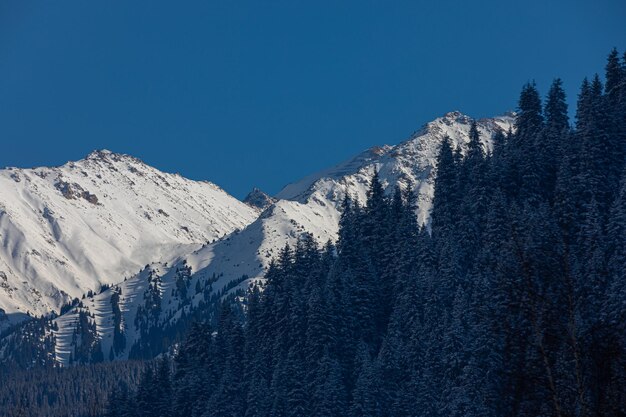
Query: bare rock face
{"x": 68, "y": 190}
{"x": 73, "y": 191}
{"x": 258, "y": 199}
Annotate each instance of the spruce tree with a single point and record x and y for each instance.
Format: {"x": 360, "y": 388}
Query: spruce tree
{"x": 553, "y": 142}
{"x": 529, "y": 120}
{"x": 445, "y": 199}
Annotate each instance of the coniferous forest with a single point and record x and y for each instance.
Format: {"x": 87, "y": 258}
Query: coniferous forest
{"x": 511, "y": 301}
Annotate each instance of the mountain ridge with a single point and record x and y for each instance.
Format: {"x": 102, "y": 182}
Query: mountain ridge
{"x": 74, "y": 227}
{"x": 312, "y": 206}
{"x": 189, "y": 282}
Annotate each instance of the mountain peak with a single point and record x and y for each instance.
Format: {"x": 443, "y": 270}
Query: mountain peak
{"x": 457, "y": 117}
{"x": 94, "y": 221}
{"x": 107, "y": 155}
{"x": 96, "y": 152}
{"x": 100, "y": 154}
{"x": 258, "y": 199}
{"x": 454, "y": 115}
{"x": 450, "y": 119}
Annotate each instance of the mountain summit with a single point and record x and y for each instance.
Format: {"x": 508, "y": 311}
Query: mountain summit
{"x": 258, "y": 199}
{"x": 69, "y": 229}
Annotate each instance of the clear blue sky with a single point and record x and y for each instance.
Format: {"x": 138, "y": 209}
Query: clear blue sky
{"x": 261, "y": 93}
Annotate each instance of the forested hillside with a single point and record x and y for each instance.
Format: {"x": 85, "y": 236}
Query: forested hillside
{"x": 80, "y": 390}
{"x": 512, "y": 302}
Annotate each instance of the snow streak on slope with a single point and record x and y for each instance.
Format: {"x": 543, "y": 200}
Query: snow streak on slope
{"x": 310, "y": 205}
{"x": 69, "y": 229}
{"x": 100, "y": 308}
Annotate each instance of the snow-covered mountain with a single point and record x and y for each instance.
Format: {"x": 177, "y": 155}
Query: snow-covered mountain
{"x": 69, "y": 229}
{"x": 310, "y": 205}
{"x": 196, "y": 279}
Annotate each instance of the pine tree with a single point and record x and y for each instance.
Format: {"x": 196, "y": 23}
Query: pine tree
{"x": 226, "y": 400}
{"x": 613, "y": 78}
{"x": 612, "y": 400}
{"x": 328, "y": 396}
{"x": 616, "y": 256}
{"x": 366, "y": 397}
{"x": 615, "y": 102}
{"x": 529, "y": 123}
{"x": 594, "y": 145}
{"x": 445, "y": 199}
{"x": 146, "y": 396}
{"x": 474, "y": 201}
{"x": 119, "y": 339}
{"x": 529, "y": 120}
{"x": 553, "y": 141}
{"x": 476, "y": 171}
{"x": 163, "y": 394}
{"x": 195, "y": 375}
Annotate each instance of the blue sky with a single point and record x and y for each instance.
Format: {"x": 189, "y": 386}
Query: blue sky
{"x": 261, "y": 93}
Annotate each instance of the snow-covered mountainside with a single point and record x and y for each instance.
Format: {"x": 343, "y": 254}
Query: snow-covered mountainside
{"x": 69, "y": 229}
{"x": 310, "y": 205}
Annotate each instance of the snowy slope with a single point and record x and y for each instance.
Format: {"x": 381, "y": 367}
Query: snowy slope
{"x": 99, "y": 306}
{"x": 413, "y": 160}
{"x": 69, "y": 229}
{"x": 310, "y": 205}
